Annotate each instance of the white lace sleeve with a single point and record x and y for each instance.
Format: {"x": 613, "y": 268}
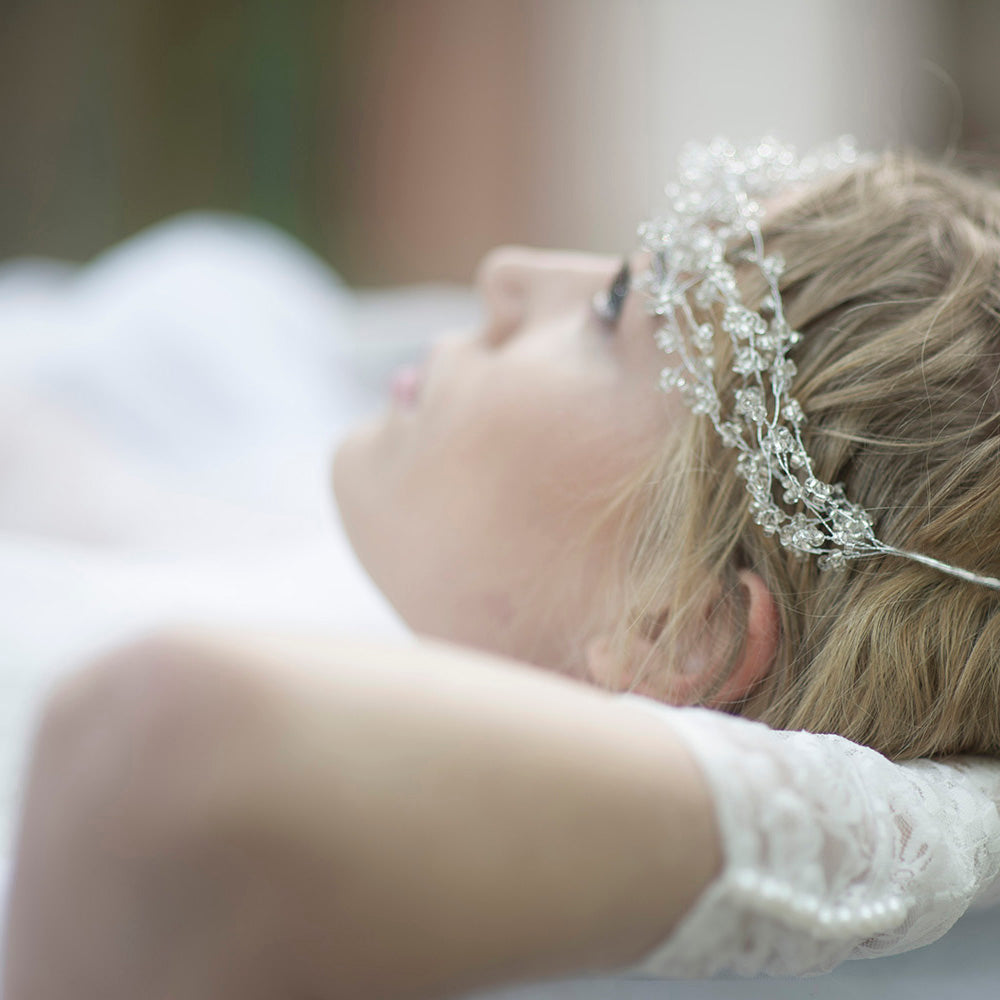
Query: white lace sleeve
{"x": 831, "y": 850}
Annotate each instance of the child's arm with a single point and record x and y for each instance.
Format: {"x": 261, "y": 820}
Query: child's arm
{"x": 234, "y": 815}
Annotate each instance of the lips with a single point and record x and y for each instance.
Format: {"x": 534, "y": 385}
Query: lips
{"x": 405, "y": 385}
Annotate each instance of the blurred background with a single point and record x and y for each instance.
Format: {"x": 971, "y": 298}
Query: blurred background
{"x": 399, "y": 139}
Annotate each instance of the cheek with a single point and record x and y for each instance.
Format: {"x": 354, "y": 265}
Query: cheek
{"x": 509, "y": 465}
{"x": 534, "y": 467}
{"x": 524, "y": 437}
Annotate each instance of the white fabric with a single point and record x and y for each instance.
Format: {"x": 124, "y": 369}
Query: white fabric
{"x": 831, "y": 851}
{"x": 167, "y": 416}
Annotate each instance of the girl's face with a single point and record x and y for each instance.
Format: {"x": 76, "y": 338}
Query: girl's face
{"x": 472, "y": 501}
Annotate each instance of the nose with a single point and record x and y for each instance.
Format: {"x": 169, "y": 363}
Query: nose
{"x": 503, "y": 279}
{"x": 520, "y": 284}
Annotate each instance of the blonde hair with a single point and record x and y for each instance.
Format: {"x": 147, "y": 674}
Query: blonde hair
{"x": 893, "y": 278}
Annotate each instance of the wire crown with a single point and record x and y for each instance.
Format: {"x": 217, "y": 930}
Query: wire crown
{"x": 716, "y": 201}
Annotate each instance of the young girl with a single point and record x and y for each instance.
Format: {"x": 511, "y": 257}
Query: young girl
{"x": 803, "y": 530}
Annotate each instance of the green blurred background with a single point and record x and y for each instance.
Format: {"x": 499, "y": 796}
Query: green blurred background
{"x": 115, "y": 114}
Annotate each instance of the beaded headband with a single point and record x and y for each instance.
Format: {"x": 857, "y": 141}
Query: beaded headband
{"x": 716, "y": 202}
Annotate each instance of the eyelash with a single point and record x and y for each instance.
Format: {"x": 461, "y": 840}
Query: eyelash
{"x": 608, "y": 304}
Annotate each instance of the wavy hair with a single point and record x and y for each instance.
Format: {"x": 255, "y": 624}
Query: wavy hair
{"x": 893, "y": 278}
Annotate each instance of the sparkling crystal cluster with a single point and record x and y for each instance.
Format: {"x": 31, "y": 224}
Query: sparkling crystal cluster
{"x": 715, "y": 205}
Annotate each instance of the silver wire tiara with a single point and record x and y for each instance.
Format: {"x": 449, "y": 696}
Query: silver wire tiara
{"x": 715, "y": 203}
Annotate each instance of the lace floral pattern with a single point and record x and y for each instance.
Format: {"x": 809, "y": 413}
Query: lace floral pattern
{"x": 831, "y": 851}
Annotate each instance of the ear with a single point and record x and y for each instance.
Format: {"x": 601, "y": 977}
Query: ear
{"x": 760, "y": 642}
{"x": 681, "y": 687}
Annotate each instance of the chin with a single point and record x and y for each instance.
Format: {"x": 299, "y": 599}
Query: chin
{"x": 363, "y": 500}
{"x": 351, "y": 463}
{"x": 347, "y": 480}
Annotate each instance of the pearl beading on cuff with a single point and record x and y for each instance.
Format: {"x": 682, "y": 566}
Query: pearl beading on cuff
{"x": 776, "y": 899}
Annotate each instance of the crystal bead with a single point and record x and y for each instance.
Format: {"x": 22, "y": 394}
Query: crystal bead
{"x": 781, "y": 439}
{"x": 749, "y": 361}
{"x": 792, "y": 411}
{"x": 730, "y": 434}
{"x": 704, "y": 336}
{"x": 667, "y": 340}
{"x": 770, "y": 520}
{"x": 785, "y": 370}
{"x": 773, "y": 266}
{"x": 793, "y": 494}
{"x": 669, "y": 378}
{"x": 832, "y": 560}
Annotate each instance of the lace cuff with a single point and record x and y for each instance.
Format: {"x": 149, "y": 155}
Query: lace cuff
{"x": 831, "y": 850}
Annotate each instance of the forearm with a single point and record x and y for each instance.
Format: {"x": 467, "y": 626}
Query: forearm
{"x": 414, "y": 822}
{"x": 491, "y": 822}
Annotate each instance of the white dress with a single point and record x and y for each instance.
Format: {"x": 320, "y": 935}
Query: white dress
{"x": 832, "y": 851}
{"x": 166, "y": 421}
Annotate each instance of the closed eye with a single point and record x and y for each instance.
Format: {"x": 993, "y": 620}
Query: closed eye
{"x": 608, "y": 302}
